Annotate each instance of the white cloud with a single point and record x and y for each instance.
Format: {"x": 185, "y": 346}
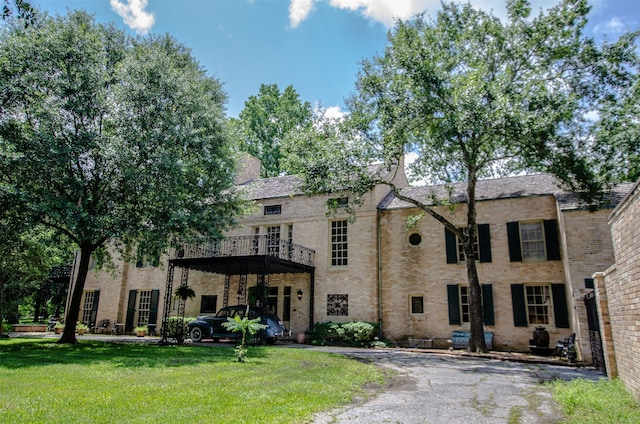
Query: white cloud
{"x": 386, "y": 11}
{"x": 134, "y": 15}
{"x": 298, "y": 11}
{"x": 612, "y": 26}
{"x": 334, "y": 112}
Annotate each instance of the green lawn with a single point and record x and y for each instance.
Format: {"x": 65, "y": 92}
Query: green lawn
{"x": 596, "y": 402}
{"x": 97, "y": 382}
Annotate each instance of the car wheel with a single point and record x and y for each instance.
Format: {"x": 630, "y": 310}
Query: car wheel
{"x": 196, "y": 334}
{"x": 271, "y": 341}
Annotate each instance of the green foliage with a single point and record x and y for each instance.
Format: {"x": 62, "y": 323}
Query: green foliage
{"x": 178, "y": 328}
{"x": 473, "y": 96}
{"x": 185, "y": 292}
{"x": 82, "y": 328}
{"x": 141, "y": 329}
{"x": 130, "y": 132}
{"x": 602, "y": 402}
{"x": 265, "y": 122}
{"x": 173, "y": 384}
{"x": 357, "y": 333}
{"x": 246, "y": 326}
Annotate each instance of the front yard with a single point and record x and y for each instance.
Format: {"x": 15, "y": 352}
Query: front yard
{"x": 100, "y": 382}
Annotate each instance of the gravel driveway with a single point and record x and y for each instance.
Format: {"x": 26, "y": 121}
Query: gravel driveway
{"x": 442, "y": 388}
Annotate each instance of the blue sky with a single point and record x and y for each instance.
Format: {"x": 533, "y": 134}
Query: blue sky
{"x": 315, "y": 45}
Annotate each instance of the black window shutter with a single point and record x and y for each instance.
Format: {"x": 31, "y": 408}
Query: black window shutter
{"x": 153, "y": 307}
{"x": 131, "y": 310}
{"x": 561, "y": 313}
{"x": 453, "y": 297}
{"x": 452, "y": 246}
{"x": 484, "y": 242}
{"x": 487, "y": 304}
{"x": 519, "y": 305}
{"x": 94, "y": 308}
{"x": 513, "y": 236}
{"x": 551, "y": 239}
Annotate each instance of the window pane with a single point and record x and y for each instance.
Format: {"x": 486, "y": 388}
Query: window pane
{"x": 144, "y": 305}
{"x": 538, "y": 302}
{"x": 417, "y": 305}
{"x": 339, "y": 243}
{"x": 532, "y": 239}
{"x": 464, "y": 303}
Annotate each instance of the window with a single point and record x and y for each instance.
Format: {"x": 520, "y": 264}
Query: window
{"x": 272, "y": 300}
{"x": 273, "y": 240}
{"x": 538, "y": 303}
{"x": 339, "y": 202}
{"x": 464, "y": 303}
{"x": 415, "y": 239}
{"x": 532, "y": 240}
{"x": 273, "y": 210}
{"x": 87, "y": 307}
{"x": 338, "y": 304}
{"x": 459, "y": 300}
{"x": 208, "y": 303}
{"x": 143, "y": 260}
{"x": 417, "y": 305}
{"x": 144, "y": 307}
{"x": 476, "y": 248}
{"x": 535, "y": 304}
{"x": 339, "y": 250}
{"x": 481, "y": 245}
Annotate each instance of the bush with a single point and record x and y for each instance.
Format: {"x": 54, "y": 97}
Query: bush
{"x": 357, "y": 333}
{"x": 178, "y": 328}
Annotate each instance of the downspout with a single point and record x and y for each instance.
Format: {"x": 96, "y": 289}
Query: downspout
{"x": 379, "y": 271}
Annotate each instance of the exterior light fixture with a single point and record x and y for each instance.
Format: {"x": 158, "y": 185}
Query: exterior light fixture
{"x": 299, "y": 294}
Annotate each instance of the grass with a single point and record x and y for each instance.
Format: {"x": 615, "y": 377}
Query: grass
{"x": 99, "y": 382}
{"x": 598, "y": 402}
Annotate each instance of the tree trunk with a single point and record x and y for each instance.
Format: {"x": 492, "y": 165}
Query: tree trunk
{"x": 476, "y": 339}
{"x": 71, "y": 318}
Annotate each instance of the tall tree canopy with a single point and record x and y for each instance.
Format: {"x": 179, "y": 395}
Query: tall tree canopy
{"x": 473, "y": 96}
{"x": 266, "y": 120}
{"x": 111, "y": 140}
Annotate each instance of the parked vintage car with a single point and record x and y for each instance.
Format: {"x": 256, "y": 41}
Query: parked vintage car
{"x": 210, "y": 327}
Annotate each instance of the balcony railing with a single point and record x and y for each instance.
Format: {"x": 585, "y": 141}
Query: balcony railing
{"x": 252, "y": 245}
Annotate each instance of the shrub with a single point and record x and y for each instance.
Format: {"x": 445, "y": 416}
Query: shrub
{"x": 356, "y": 333}
{"x": 178, "y": 328}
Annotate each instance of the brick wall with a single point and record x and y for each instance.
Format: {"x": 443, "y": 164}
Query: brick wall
{"x": 423, "y": 271}
{"x": 622, "y": 285}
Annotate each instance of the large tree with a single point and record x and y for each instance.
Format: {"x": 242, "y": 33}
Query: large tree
{"x": 113, "y": 141}
{"x": 472, "y": 96}
{"x": 266, "y": 120}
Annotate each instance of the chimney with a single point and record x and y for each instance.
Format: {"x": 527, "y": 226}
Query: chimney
{"x": 247, "y": 168}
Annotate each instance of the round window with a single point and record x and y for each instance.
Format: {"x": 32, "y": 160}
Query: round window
{"x": 415, "y": 239}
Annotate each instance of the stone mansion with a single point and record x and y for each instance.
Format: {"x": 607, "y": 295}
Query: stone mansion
{"x": 537, "y": 251}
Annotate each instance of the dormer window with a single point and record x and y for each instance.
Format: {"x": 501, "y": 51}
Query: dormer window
{"x": 273, "y": 210}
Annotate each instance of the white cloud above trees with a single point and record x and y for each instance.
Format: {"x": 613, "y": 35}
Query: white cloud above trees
{"x": 134, "y": 15}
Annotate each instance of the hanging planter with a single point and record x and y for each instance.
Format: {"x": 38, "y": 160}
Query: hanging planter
{"x": 185, "y": 292}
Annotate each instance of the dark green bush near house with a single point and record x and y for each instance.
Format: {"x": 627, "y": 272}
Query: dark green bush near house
{"x": 356, "y": 333}
{"x": 178, "y": 328}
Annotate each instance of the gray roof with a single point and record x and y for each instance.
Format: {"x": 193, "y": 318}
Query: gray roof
{"x": 267, "y": 188}
{"x": 571, "y": 201}
{"x": 491, "y": 189}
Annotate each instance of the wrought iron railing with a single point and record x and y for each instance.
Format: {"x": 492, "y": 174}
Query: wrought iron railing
{"x": 251, "y": 245}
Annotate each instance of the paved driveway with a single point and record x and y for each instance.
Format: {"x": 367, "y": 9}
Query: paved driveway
{"x": 441, "y": 388}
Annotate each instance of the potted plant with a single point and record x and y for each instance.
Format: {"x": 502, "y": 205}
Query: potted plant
{"x": 58, "y": 327}
{"x": 82, "y": 328}
{"x": 185, "y": 292}
{"x": 141, "y": 330}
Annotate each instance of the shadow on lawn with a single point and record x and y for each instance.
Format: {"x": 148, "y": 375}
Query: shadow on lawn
{"x": 25, "y": 353}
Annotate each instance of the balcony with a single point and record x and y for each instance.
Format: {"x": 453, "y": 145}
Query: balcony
{"x": 232, "y": 250}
